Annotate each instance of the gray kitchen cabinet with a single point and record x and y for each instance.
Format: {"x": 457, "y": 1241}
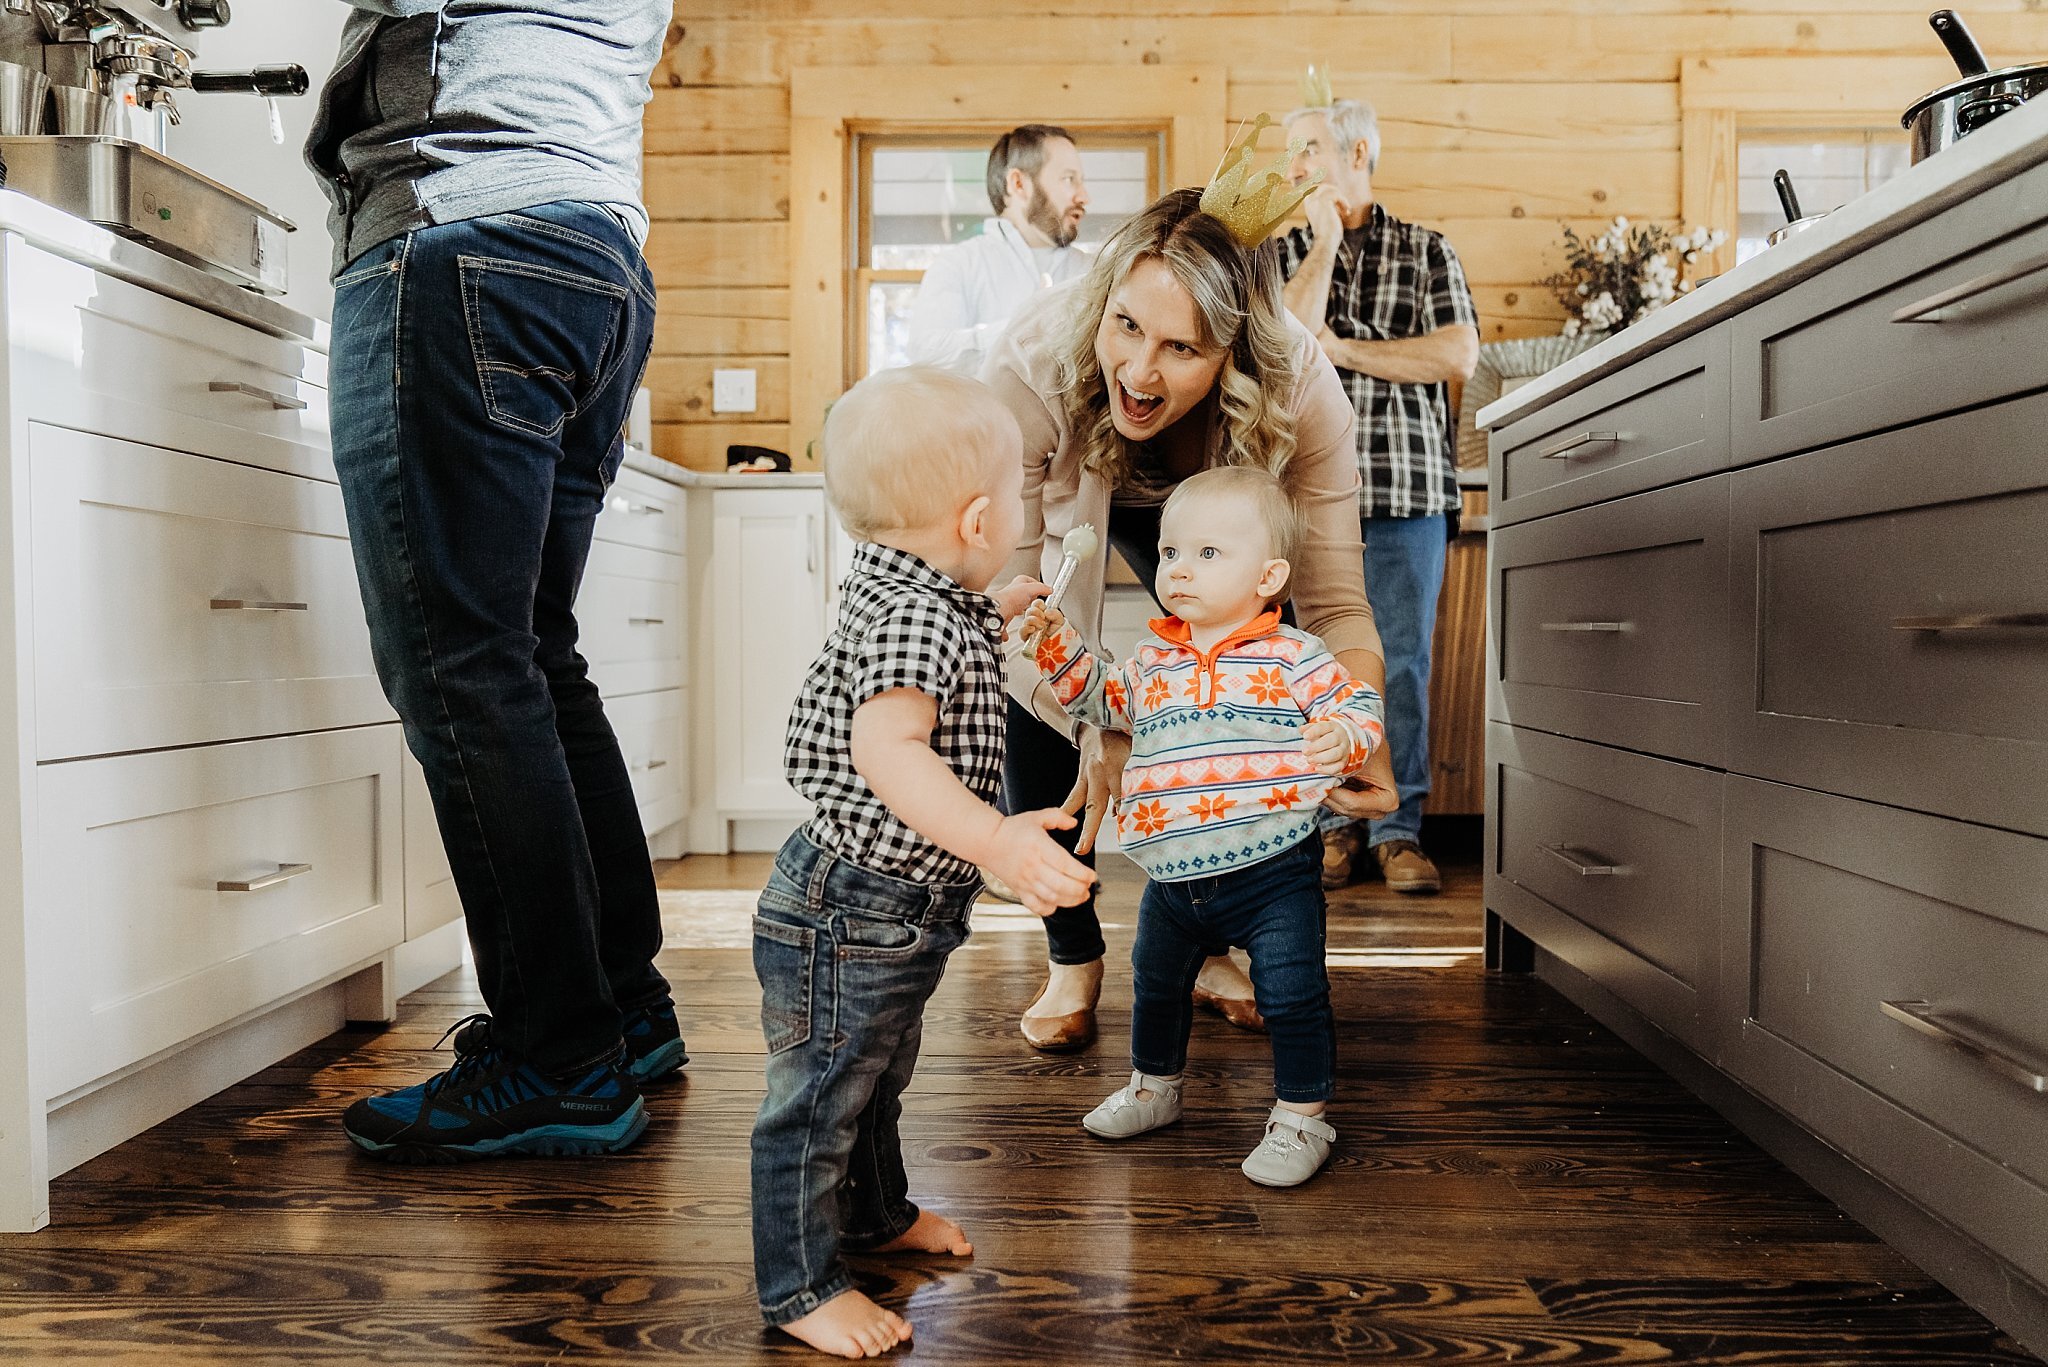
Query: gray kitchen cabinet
{"x": 1889, "y": 969}
{"x": 1768, "y": 705}
{"x": 1940, "y": 318}
{"x": 1893, "y": 637}
{"x": 1659, "y": 421}
{"x": 1611, "y": 860}
{"x": 1610, "y": 623}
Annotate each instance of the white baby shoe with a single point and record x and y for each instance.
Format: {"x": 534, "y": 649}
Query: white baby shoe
{"x": 1294, "y": 1147}
{"x": 1122, "y": 1114}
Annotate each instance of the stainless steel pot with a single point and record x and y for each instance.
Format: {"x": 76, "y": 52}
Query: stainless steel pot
{"x": 1961, "y": 107}
{"x": 1795, "y": 222}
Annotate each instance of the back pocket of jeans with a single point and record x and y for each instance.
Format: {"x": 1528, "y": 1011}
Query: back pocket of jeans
{"x": 542, "y": 339}
{"x": 785, "y": 957}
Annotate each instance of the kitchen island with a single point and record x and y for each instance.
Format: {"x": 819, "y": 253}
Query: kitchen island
{"x": 1768, "y": 703}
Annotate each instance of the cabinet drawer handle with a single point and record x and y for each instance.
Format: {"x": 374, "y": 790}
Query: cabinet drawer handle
{"x": 1586, "y": 626}
{"x": 1563, "y": 853}
{"x": 629, "y": 505}
{"x": 1972, "y": 621}
{"x": 285, "y": 873}
{"x": 283, "y": 402}
{"x": 810, "y": 544}
{"x": 1996, "y": 1054}
{"x": 1929, "y": 310}
{"x": 1563, "y": 450}
{"x": 645, "y": 621}
{"x": 253, "y": 605}
{"x": 652, "y": 765}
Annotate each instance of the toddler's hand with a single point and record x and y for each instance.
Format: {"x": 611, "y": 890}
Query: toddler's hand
{"x": 1327, "y": 745}
{"x": 1042, "y": 621}
{"x": 1013, "y": 597}
{"x": 1044, "y": 876}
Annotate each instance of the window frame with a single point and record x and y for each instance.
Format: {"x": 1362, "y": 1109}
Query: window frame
{"x": 865, "y": 139}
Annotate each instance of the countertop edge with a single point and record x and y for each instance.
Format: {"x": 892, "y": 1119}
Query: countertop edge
{"x": 2015, "y": 143}
{"x": 73, "y": 238}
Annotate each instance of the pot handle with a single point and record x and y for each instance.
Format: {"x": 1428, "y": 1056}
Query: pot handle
{"x": 1955, "y": 36}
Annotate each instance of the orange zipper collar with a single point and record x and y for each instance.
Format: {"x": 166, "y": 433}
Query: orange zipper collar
{"x": 1181, "y": 634}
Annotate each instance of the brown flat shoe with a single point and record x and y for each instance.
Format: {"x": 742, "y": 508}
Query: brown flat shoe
{"x": 1340, "y": 857}
{"x": 1406, "y": 868}
{"x": 1237, "y": 1010}
{"x": 1059, "y": 1034}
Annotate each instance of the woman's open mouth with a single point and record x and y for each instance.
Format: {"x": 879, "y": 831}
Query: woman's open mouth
{"x": 1137, "y": 406}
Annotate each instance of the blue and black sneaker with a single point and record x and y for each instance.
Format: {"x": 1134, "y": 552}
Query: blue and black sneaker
{"x": 654, "y": 1040}
{"x": 490, "y": 1106}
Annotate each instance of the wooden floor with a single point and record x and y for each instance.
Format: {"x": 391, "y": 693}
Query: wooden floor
{"x": 1512, "y": 1185}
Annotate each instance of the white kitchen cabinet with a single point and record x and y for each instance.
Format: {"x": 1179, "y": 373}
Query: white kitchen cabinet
{"x": 770, "y": 582}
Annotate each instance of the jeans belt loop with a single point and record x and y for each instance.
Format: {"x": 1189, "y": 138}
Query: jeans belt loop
{"x": 820, "y": 871}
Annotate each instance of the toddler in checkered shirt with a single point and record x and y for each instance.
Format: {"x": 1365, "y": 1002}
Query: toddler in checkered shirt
{"x": 1239, "y": 726}
{"x": 897, "y": 738}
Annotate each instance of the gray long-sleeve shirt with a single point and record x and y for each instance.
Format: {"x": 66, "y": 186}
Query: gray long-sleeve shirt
{"x": 441, "y": 110}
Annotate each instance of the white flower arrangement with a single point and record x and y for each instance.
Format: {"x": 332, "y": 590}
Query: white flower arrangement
{"x": 1617, "y": 278}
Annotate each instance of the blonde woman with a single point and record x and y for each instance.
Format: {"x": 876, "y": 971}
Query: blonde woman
{"x": 1173, "y": 354}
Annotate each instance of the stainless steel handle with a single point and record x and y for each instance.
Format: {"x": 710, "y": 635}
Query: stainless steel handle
{"x": 1996, "y": 1054}
{"x": 1972, "y": 621}
{"x": 652, "y": 765}
{"x": 1571, "y": 444}
{"x": 645, "y": 621}
{"x": 285, "y": 873}
{"x": 1563, "y": 853}
{"x": 1586, "y": 626}
{"x": 275, "y": 400}
{"x": 633, "y": 506}
{"x": 253, "y": 605}
{"x": 810, "y": 543}
{"x": 1928, "y": 310}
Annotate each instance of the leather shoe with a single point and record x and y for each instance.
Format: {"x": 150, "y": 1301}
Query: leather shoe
{"x": 1059, "y": 1034}
{"x": 1240, "y": 1012}
{"x": 1406, "y": 868}
{"x": 1340, "y": 857}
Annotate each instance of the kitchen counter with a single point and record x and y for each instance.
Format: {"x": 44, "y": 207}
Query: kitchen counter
{"x": 88, "y": 244}
{"x": 1996, "y": 153}
{"x": 647, "y": 463}
{"x": 1765, "y": 675}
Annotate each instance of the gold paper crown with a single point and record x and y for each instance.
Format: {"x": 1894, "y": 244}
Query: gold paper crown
{"x": 1252, "y": 204}
{"x": 1315, "y": 88}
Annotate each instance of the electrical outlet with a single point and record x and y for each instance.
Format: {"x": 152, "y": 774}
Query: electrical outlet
{"x": 732, "y": 391}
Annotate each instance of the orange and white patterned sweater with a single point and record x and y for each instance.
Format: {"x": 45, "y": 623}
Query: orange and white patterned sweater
{"x": 1218, "y": 778}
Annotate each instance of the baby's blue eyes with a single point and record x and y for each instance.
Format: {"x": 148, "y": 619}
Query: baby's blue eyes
{"x": 1208, "y": 552}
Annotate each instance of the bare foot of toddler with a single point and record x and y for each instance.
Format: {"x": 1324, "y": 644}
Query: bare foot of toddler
{"x": 931, "y": 1234}
{"x": 851, "y": 1326}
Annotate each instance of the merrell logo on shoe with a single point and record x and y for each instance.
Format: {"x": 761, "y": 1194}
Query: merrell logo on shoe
{"x": 584, "y": 1105}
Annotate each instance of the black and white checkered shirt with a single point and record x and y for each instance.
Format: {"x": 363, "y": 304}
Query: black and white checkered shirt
{"x": 902, "y": 624}
{"x": 1393, "y": 280}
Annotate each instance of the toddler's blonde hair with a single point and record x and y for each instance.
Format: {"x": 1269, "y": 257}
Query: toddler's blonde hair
{"x": 905, "y": 449}
{"x": 1263, "y": 496}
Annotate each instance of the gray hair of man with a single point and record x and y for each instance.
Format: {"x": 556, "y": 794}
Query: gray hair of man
{"x": 1351, "y": 122}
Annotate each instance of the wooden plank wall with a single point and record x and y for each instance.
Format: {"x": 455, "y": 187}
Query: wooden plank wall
{"x": 1501, "y": 117}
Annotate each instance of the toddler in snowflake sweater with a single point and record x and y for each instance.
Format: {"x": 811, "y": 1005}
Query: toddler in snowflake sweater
{"x": 1239, "y": 725}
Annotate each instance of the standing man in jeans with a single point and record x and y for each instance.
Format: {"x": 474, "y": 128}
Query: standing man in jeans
{"x": 1389, "y": 303}
{"x": 492, "y": 318}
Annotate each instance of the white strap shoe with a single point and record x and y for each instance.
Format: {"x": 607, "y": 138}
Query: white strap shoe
{"x": 1122, "y": 1114}
{"x": 1295, "y": 1146}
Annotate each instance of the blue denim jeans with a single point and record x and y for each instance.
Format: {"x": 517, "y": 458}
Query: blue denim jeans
{"x": 847, "y": 959}
{"x": 1404, "y": 574}
{"x": 481, "y": 374}
{"x": 1274, "y": 909}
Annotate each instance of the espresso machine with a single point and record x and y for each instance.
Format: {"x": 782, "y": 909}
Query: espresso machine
{"x": 88, "y": 89}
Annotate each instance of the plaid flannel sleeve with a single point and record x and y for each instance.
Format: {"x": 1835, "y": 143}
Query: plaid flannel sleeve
{"x": 1450, "y": 298}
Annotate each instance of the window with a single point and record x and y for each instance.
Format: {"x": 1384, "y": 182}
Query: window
{"x": 917, "y": 194}
{"x": 1828, "y": 167}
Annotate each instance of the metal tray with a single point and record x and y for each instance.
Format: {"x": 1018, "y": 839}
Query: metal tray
{"x": 131, "y": 190}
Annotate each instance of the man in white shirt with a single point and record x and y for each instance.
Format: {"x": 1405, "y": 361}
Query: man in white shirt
{"x": 1036, "y": 187}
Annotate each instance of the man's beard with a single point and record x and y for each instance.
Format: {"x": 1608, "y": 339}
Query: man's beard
{"x": 1041, "y": 216}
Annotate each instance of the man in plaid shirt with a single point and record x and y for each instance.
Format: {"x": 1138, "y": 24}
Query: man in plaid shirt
{"x": 1389, "y": 304}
